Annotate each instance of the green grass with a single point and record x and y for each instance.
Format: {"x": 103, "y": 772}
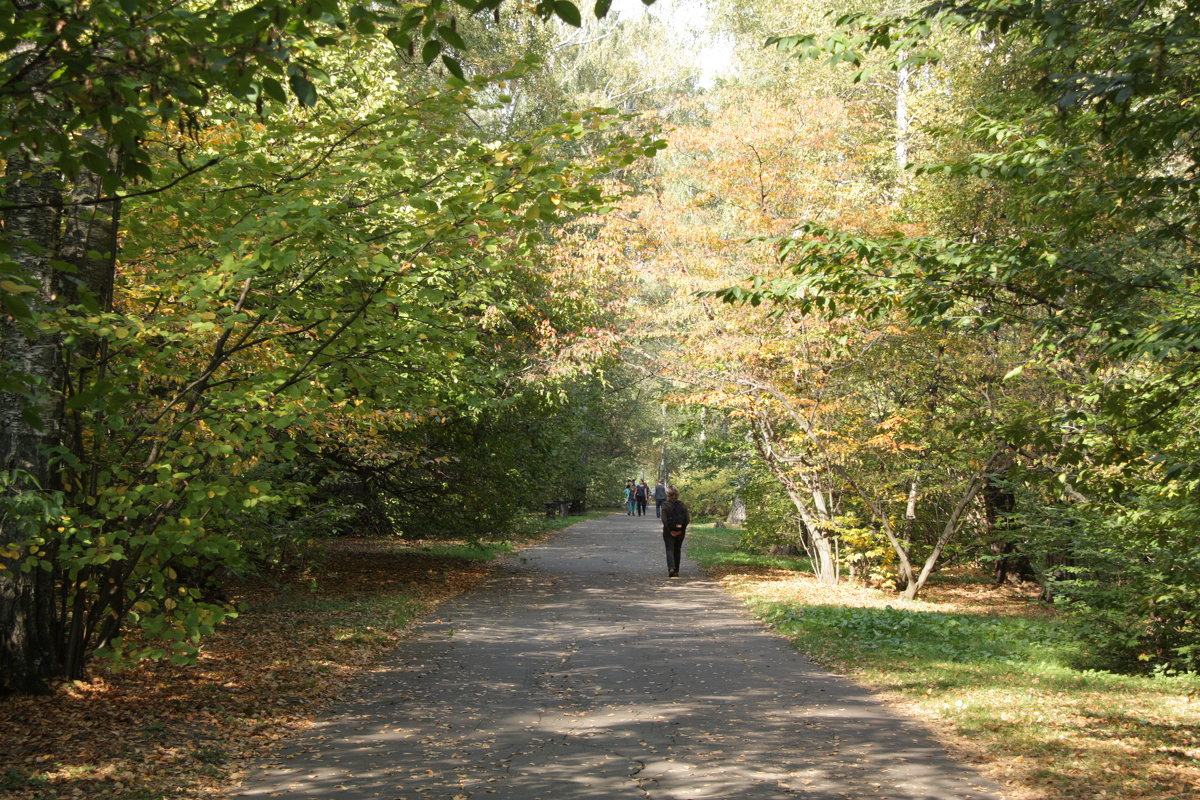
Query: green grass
{"x": 712, "y": 544}
{"x": 482, "y": 551}
{"x": 542, "y": 524}
{"x": 531, "y": 529}
{"x": 868, "y": 634}
{"x": 999, "y": 679}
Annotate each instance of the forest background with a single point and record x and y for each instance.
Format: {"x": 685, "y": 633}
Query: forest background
{"x": 913, "y": 289}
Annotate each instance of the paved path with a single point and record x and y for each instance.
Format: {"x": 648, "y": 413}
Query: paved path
{"x": 581, "y": 672}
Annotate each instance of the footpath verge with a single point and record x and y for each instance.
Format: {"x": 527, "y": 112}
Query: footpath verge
{"x": 989, "y": 670}
{"x": 166, "y": 732}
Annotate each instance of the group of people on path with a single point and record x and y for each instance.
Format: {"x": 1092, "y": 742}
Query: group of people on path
{"x": 668, "y": 508}
{"x": 638, "y": 495}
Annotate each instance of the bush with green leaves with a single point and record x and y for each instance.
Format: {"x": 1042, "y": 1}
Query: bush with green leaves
{"x": 353, "y": 277}
{"x": 1057, "y": 212}
{"x": 1133, "y": 597}
{"x": 771, "y": 518}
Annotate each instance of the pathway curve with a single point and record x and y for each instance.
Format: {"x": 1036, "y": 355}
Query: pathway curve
{"x": 580, "y": 671}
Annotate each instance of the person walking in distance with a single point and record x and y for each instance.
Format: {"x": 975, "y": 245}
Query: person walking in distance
{"x": 630, "y": 498}
{"x": 675, "y": 519}
{"x": 643, "y": 496}
{"x": 660, "y": 497}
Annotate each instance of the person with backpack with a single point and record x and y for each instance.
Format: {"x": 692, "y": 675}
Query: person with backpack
{"x": 675, "y": 519}
{"x": 660, "y": 497}
{"x": 642, "y": 491}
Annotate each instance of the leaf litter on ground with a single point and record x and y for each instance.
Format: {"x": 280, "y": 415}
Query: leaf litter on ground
{"x": 989, "y": 670}
{"x": 166, "y": 731}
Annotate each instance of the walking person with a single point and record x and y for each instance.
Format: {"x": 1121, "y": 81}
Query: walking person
{"x": 630, "y": 498}
{"x": 643, "y": 497}
{"x": 660, "y": 497}
{"x": 675, "y": 519}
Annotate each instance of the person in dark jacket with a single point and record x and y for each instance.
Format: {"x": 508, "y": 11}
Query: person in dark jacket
{"x": 675, "y": 519}
{"x": 642, "y": 492}
{"x": 660, "y": 497}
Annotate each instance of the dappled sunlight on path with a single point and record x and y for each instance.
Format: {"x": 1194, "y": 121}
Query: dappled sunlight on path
{"x": 581, "y": 671}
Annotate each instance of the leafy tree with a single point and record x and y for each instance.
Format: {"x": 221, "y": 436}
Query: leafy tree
{"x": 198, "y": 271}
{"x": 1081, "y": 154}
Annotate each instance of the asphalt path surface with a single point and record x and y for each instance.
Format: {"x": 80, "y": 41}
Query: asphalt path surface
{"x": 581, "y": 671}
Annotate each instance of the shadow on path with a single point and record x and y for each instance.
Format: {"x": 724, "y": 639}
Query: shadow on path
{"x": 582, "y": 672}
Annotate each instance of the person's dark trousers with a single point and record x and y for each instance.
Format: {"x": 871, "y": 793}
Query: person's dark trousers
{"x": 674, "y": 546}
{"x": 641, "y": 506}
{"x": 658, "y": 507}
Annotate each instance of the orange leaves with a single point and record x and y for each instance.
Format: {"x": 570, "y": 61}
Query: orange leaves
{"x": 890, "y": 436}
{"x": 168, "y": 731}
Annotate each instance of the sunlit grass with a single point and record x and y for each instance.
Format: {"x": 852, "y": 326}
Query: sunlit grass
{"x": 712, "y": 544}
{"x": 992, "y": 671}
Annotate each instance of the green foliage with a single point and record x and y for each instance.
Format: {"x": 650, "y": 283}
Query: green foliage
{"x": 713, "y": 545}
{"x": 360, "y": 297}
{"x": 1057, "y": 212}
{"x": 771, "y": 519}
{"x": 1130, "y": 591}
{"x": 868, "y": 555}
{"x": 172, "y": 61}
{"x": 901, "y": 633}
{"x": 710, "y": 495}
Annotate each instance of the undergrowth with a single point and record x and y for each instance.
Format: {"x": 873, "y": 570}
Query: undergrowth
{"x": 992, "y": 670}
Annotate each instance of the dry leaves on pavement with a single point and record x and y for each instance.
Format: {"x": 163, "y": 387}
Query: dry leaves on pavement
{"x": 163, "y": 731}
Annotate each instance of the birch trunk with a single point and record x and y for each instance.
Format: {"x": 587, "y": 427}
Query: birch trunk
{"x": 903, "y": 78}
{"x": 29, "y": 649}
{"x": 816, "y": 520}
{"x": 35, "y": 643}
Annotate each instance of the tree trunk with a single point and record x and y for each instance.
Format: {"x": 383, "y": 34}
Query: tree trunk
{"x": 578, "y": 502}
{"x": 998, "y": 504}
{"x": 815, "y": 520}
{"x": 951, "y": 527}
{"x": 29, "y": 650}
{"x": 84, "y": 235}
{"x": 819, "y": 543}
{"x": 825, "y": 565}
{"x": 903, "y": 77}
{"x": 910, "y": 515}
{"x": 737, "y": 512}
{"x": 89, "y": 240}
{"x": 822, "y": 538}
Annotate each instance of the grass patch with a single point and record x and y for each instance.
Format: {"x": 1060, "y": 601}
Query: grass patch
{"x": 539, "y": 525}
{"x": 712, "y": 544}
{"x": 482, "y": 551}
{"x": 164, "y": 732}
{"x": 990, "y": 670}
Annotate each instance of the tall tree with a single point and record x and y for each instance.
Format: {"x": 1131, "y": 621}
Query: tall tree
{"x": 1082, "y": 149}
{"x": 106, "y": 103}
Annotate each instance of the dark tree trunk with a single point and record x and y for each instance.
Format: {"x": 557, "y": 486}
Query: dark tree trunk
{"x": 578, "y": 503}
{"x": 89, "y": 241}
{"x": 29, "y": 646}
{"x": 33, "y": 647}
{"x": 1010, "y": 564}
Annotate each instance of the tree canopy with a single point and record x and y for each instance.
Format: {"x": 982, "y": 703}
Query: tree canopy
{"x": 913, "y": 287}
